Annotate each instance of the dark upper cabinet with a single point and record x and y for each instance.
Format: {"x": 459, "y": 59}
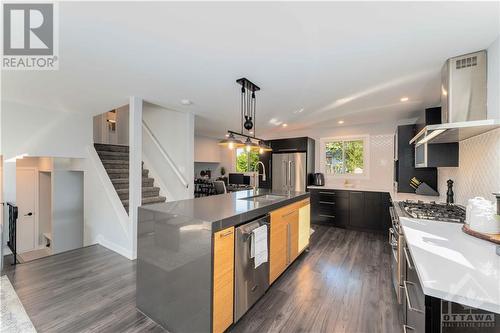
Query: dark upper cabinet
{"x": 289, "y": 145}
{"x": 404, "y": 164}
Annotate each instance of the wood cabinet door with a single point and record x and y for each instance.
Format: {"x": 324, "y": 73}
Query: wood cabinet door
{"x": 304, "y": 226}
{"x": 223, "y": 289}
{"x": 293, "y": 239}
{"x": 278, "y": 240}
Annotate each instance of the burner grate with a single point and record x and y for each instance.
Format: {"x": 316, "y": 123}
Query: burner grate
{"x": 434, "y": 211}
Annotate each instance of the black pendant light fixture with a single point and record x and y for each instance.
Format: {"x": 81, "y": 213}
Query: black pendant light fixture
{"x": 248, "y": 116}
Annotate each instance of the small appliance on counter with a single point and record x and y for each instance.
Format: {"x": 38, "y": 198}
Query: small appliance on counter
{"x": 318, "y": 179}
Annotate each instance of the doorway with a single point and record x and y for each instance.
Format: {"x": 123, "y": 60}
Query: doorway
{"x": 26, "y": 200}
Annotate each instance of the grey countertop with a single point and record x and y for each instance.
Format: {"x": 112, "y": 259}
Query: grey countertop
{"x": 225, "y": 210}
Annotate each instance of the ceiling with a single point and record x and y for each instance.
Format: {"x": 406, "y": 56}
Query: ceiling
{"x": 348, "y": 61}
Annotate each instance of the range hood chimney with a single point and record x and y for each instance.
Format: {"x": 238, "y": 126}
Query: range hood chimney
{"x": 463, "y": 88}
{"x": 463, "y": 101}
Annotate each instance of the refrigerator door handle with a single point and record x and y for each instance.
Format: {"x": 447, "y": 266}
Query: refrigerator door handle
{"x": 290, "y": 174}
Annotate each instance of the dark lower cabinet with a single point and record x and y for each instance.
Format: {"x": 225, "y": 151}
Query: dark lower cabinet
{"x": 351, "y": 209}
{"x": 357, "y": 216}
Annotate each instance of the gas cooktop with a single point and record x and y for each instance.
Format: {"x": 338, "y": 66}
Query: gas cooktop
{"x": 433, "y": 211}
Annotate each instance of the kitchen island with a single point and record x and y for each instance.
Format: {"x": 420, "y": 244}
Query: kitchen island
{"x": 185, "y": 254}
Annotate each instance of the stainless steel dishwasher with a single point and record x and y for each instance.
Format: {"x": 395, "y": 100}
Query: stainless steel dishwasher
{"x": 250, "y": 283}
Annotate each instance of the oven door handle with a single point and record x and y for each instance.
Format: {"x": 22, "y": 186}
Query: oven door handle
{"x": 392, "y": 242}
{"x": 410, "y": 307}
{"x": 406, "y": 328}
{"x": 407, "y": 256}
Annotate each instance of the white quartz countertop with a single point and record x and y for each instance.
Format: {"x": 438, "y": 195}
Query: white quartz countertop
{"x": 452, "y": 265}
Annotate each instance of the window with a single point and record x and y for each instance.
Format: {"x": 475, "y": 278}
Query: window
{"x": 246, "y": 161}
{"x": 344, "y": 156}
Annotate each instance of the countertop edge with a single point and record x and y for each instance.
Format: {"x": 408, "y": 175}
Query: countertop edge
{"x": 438, "y": 293}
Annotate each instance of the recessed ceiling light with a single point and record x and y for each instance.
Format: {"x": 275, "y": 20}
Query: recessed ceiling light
{"x": 227, "y": 135}
{"x": 251, "y": 132}
{"x": 404, "y": 99}
{"x": 340, "y": 122}
{"x": 186, "y": 102}
{"x": 284, "y": 125}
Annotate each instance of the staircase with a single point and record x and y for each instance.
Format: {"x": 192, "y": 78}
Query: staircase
{"x": 115, "y": 160}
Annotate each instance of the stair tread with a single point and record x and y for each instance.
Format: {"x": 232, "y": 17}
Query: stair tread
{"x": 144, "y": 189}
{"x": 110, "y": 147}
{"x": 120, "y": 162}
{"x": 112, "y": 153}
{"x": 125, "y": 180}
{"x": 124, "y": 171}
{"x": 146, "y": 201}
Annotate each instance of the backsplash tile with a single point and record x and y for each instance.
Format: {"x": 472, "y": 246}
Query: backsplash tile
{"x": 478, "y": 173}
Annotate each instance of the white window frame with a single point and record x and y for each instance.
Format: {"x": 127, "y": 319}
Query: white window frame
{"x": 366, "y": 156}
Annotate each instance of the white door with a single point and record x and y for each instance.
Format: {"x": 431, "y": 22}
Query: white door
{"x": 25, "y": 200}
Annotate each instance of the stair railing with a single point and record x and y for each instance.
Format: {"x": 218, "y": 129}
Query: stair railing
{"x": 11, "y": 243}
{"x": 165, "y": 155}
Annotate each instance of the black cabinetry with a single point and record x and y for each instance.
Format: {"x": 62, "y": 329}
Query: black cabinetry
{"x": 359, "y": 210}
{"x": 288, "y": 145}
{"x": 404, "y": 162}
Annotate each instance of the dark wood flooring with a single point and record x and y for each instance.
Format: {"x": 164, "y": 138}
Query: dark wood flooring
{"x": 341, "y": 285}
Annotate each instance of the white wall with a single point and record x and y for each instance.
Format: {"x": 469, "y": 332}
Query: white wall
{"x": 67, "y": 210}
{"x": 381, "y": 152}
{"x": 175, "y": 132}
{"x": 209, "y": 155}
{"x": 494, "y": 79}
{"x": 62, "y": 133}
{"x": 120, "y": 136}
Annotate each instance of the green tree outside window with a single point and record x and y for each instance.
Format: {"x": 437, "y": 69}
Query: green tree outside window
{"x": 344, "y": 157}
{"x": 246, "y": 161}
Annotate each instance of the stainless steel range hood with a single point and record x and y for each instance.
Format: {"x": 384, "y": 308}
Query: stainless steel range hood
{"x": 463, "y": 101}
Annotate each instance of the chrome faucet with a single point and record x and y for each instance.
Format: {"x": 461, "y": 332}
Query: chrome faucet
{"x": 256, "y": 175}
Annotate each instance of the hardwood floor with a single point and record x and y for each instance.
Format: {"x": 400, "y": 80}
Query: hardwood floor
{"x": 341, "y": 285}
{"x": 86, "y": 290}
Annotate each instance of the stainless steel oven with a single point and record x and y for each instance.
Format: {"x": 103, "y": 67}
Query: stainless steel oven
{"x": 397, "y": 243}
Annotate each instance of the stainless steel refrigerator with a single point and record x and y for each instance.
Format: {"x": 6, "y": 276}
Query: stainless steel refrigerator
{"x": 289, "y": 172}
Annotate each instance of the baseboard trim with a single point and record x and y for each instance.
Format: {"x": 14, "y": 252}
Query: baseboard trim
{"x": 114, "y": 247}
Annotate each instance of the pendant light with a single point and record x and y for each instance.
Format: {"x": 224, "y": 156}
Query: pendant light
{"x": 250, "y": 145}
{"x": 231, "y": 142}
{"x": 248, "y": 117}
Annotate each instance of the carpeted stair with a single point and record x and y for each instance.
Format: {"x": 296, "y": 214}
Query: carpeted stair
{"x": 115, "y": 160}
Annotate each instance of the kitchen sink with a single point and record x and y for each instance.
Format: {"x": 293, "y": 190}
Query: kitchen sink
{"x": 264, "y": 197}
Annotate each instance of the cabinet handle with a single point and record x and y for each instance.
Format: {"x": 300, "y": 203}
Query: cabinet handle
{"x": 410, "y": 266}
{"x": 324, "y": 215}
{"x": 328, "y": 193}
{"x": 355, "y": 192}
{"x": 410, "y": 307}
{"x": 406, "y": 328}
{"x": 227, "y": 233}
{"x": 327, "y": 202}
{"x": 288, "y": 236}
{"x": 289, "y": 213}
